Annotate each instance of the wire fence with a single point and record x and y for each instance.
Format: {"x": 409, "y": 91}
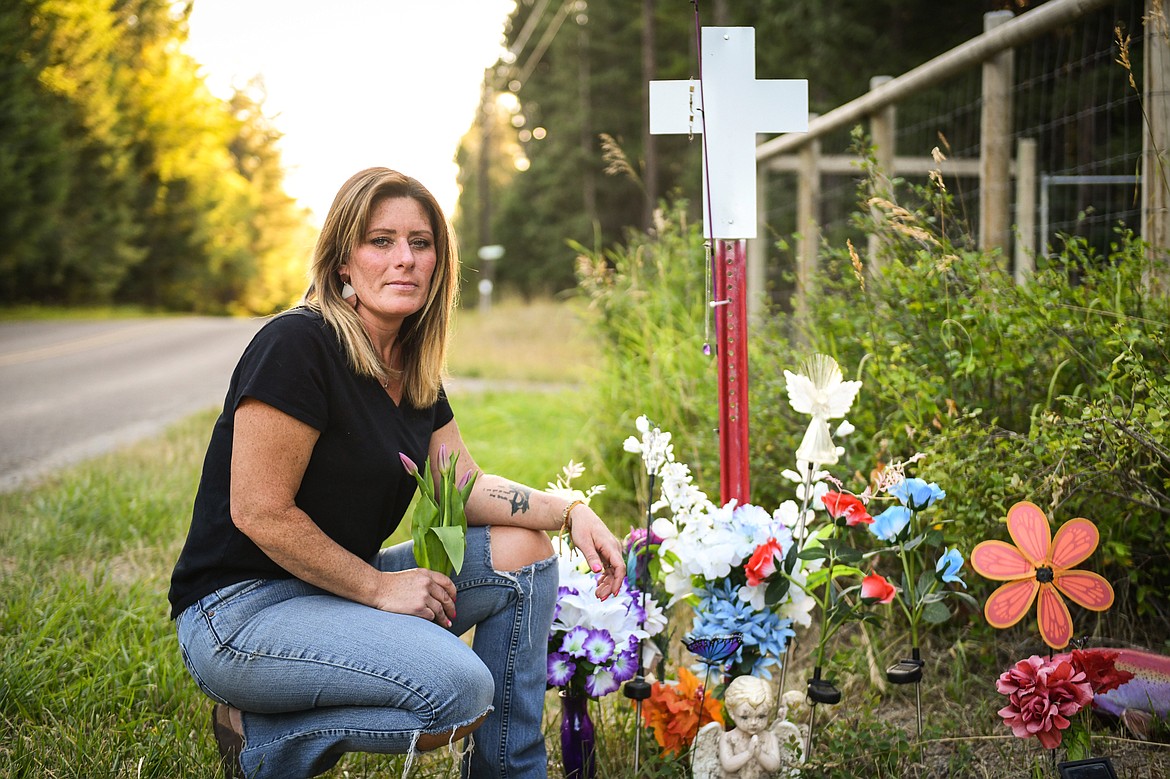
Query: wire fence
{"x": 1071, "y": 94}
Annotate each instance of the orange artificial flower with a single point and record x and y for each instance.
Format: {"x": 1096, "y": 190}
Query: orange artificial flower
{"x": 672, "y": 711}
{"x": 1039, "y": 564}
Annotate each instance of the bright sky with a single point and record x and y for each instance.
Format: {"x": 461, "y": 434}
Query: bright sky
{"x": 356, "y": 83}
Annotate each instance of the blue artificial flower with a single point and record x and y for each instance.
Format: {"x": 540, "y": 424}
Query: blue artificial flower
{"x": 890, "y": 523}
{"x": 949, "y": 565}
{"x": 600, "y": 682}
{"x": 574, "y": 643}
{"x": 560, "y": 669}
{"x": 765, "y": 635}
{"x": 598, "y": 646}
{"x": 916, "y": 494}
{"x": 624, "y": 665}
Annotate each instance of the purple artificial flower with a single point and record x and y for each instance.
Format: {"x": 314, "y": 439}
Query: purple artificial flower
{"x": 560, "y": 669}
{"x": 598, "y": 646}
{"x": 600, "y": 682}
{"x": 574, "y": 643}
{"x": 636, "y": 541}
{"x": 408, "y": 463}
{"x": 624, "y": 665}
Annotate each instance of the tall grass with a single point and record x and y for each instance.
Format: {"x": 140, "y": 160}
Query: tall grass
{"x": 538, "y": 341}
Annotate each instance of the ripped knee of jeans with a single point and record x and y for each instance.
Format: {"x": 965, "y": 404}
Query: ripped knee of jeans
{"x": 537, "y": 584}
{"x": 425, "y": 741}
{"x": 515, "y": 548}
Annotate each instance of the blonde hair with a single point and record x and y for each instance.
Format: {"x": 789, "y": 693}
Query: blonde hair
{"x": 422, "y": 340}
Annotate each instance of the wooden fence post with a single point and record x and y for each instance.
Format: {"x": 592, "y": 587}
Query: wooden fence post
{"x": 995, "y": 139}
{"x": 808, "y": 192}
{"x": 882, "y": 125}
{"x": 1025, "y": 257}
{"x": 1155, "y": 141}
{"x": 757, "y": 252}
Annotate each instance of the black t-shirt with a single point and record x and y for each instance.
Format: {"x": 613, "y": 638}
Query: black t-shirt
{"x": 354, "y": 488}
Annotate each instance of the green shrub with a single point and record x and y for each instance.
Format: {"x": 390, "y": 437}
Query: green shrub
{"x": 1055, "y": 391}
{"x": 648, "y": 303}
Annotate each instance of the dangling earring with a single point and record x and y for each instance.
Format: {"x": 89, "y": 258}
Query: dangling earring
{"x": 346, "y": 290}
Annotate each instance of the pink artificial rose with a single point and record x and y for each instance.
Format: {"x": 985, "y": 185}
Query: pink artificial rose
{"x": 762, "y": 563}
{"x": 1042, "y": 696}
{"x": 878, "y": 588}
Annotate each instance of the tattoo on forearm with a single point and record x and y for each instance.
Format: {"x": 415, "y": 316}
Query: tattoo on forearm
{"x": 517, "y": 496}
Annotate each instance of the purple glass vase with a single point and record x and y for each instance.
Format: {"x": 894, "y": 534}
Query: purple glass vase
{"x": 577, "y": 737}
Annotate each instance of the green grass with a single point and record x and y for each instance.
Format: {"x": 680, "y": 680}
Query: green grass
{"x": 91, "y": 683}
{"x": 537, "y": 341}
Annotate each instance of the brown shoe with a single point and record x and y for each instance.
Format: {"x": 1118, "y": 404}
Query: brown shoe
{"x": 230, "y": 742}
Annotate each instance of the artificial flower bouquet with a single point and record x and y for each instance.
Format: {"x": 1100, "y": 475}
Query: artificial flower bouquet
{"x": 593, "y": 645}
{"x": 718, "y": 558}
{"x": 677, "y": 709}
{"x": 923, "y": 591}
{"x": 1050, "y": 698}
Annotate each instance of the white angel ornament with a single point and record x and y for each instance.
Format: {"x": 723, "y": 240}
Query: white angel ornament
{"x": 820, "y": 391}
{"x": 752, "y": 749}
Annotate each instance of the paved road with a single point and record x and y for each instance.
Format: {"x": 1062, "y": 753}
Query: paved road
{"x": 72, "y": 390}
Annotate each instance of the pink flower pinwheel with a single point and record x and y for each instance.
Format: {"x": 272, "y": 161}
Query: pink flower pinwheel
{"x": 1038, "y": 564}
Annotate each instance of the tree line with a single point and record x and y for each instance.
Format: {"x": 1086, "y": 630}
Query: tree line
{"x": 577, "y": 72}
{"x": 123, "y": 180}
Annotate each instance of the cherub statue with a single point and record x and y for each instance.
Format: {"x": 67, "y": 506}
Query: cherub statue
{"x": 750, "y": 750}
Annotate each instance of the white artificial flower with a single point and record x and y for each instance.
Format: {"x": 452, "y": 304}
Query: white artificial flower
{"x": 820, "y": 390}
{"x": 664, "y": 528}
{"x": 798, "y": 604}
{"x": 753, "y": 596}
{"x": 654, "y": 446}
{"x": 788, "y": 514}
{"x": 844, "y": 429}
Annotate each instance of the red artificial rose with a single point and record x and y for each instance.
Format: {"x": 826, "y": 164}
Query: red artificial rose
{"x": 841, "y": 504}
{"x": 762, "y": 563}
{"x": 877, "y": 587}
{"x": 1100, "y": 671}
{"x": 1042, "y": 696}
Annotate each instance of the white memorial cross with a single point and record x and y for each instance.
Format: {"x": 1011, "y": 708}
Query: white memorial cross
{"x": 737, "y": 107}
{"x": 730, "y": 106}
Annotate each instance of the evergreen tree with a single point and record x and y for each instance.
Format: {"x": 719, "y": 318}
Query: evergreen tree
{"x": 579, "y": 75}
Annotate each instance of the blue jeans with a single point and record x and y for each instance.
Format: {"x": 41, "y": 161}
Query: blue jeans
{"x": 316, "y": 675}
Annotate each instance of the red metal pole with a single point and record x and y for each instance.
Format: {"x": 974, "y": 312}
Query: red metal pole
{"x": 731, "y": 332}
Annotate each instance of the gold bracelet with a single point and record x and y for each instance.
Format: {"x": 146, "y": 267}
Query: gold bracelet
{"x": 566, "y": 517}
